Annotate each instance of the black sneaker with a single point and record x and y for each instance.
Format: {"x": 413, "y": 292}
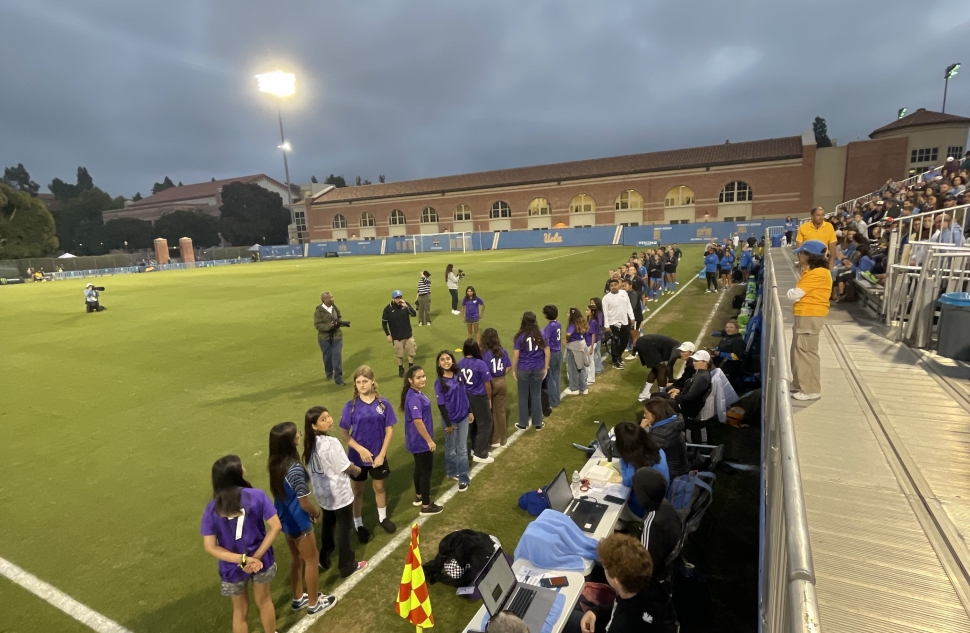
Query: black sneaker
{"x": 364, "y": 535}
{"x": 521, "y": 428}
{"x": 324, "y": 602}
{"x": 326, "y": 564}
{"x": 400, "y": 371}
{"x": 462, "y": 486}
{"x": 434, "y": 508}
{"x": 540, "y": 427}
{"x": 417, "y": 500}
{"x": 300, "y": 603}
{"x": 619, "y": 365}
{"x": 339, "y": 383}
{"x": 389, "y": 527}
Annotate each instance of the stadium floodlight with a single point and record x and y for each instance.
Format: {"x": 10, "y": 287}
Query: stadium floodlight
{"x": 951, "y": 71}
{"x": 901, "y": 113}
{"x": 281, "y": 85}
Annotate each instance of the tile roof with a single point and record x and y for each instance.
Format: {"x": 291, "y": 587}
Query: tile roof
{"x": 918, "y": 118}
{"x": 712, "y": 155}
{"x": 173, "y": 195}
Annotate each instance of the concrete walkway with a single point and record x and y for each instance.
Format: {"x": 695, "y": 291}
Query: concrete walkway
{"x": 885, "y": 463}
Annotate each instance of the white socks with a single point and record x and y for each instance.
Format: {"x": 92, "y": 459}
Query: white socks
{"x": 358, "y": 522}
{"x": 381, "y": 514}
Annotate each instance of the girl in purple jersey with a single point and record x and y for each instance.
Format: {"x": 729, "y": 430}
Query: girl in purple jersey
{"x": 455, "y": 416}
{"x": 530, "y": 364}
{"x": 592, "y": 337}
{"x": 474, "y": 374}
{"x": 596, "y": 312}
{"x": 576, "y": 353}
{"x": 472, "y": 311}
{"x": 419, "y": 436}
{"x": 234, "y": 530}
{"x": 499, "y": 363}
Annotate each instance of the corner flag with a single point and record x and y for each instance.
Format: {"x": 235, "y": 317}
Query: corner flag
{"x": 413, "y": 601}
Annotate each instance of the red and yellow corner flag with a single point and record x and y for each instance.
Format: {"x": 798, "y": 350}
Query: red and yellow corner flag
{"x": 413, "y": 601}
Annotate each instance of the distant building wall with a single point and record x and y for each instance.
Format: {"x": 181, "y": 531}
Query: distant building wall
{"x": 870, "y": 163}
{"x": 829, "y": 176}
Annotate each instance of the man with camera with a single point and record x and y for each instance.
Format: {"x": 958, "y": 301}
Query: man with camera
{"x": 397, "y": 325}
{"x": 329, "y": 326}
{"x": 92, "y": 298}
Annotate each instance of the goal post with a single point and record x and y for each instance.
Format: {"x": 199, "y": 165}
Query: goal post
{"x": 442, "y": 242}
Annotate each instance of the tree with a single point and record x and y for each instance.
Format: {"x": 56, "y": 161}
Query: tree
{"x": 138, "y": 234}
{"x": 18, "y": 178}
{"x": 26, "y": 226}
{"x": 821, "y": 133}
{"x": 380, "y": 179}
{"x": 250, "y": 214}
{"x": 199, "y": 226}
{"x": 313, "y": 179}
{"x": 162, "y": 186}
{"x": 136, "y": 197}
{"x": 180, "y": 183}
{"x": 84, "y": 180}
{"x": 79, "y": 220}
{"x": 65, "y": 191}
{"x": 336, "y": 181}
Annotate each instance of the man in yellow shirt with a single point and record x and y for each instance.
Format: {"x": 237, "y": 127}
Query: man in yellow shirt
{"x": 818, "y": 229}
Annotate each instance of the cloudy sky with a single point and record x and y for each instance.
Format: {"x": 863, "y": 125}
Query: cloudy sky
{"x": 136, "y": 91}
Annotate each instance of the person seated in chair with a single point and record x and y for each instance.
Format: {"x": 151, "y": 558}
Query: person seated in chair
{"x": 731, "y": 351}
{"x": 666, "y": 427}
{"x": 691, "y": 398}
{"x": 662, "y": 527}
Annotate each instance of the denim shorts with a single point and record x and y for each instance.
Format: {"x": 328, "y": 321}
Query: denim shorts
{"x": 236, "y": 588}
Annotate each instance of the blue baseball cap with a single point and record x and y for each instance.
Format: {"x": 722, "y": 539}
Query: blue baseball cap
{"x": 813, "y": 247}
{"x": 397, "y": 293}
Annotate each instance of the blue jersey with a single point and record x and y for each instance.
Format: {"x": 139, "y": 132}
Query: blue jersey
{"x": 710, "y": 263}
{"x": 727, "y": 261}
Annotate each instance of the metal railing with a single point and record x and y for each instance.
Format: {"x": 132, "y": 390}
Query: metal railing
{"x": 849, "y": 205}
{"x": 787, "y": 600}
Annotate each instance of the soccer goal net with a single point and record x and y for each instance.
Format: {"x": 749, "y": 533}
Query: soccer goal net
{"x": 435, "y": 242}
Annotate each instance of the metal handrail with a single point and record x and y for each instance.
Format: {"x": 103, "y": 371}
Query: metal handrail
{"x": 787, "y": 597}
{"x": 849, "y": 204}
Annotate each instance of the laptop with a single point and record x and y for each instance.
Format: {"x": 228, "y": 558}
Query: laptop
{"x": 502, "y": 592}
{"x": 586, "y": 513}
{"x": 605, "y": 442}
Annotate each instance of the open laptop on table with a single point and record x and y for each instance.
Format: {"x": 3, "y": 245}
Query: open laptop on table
{"x": 605, "y": 442}
{"x": 502, "y": 592}
{"x": 586, "y": 513}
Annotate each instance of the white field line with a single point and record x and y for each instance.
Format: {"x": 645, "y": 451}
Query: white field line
{"x": 663, "y": 305}
{"x": 710, "y": 317}
{"x": 403, "y": 535}
{"x": 57, "y": 598}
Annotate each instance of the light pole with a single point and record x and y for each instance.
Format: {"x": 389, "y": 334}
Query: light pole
{"x": 281, "y": 85}
{"x": 951, "y": 71}
{"x": 902, "y": 112}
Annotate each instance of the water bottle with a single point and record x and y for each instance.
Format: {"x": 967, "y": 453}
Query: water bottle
{"x": 575, "y": 476}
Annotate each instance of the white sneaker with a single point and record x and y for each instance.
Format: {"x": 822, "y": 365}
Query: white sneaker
{"x": 806, "y": 396}
{"x": 631, "y": 357}
{"x": 496, "y": 445}
{"x": 584, "y": 392}
{"x": 483, "y": 460}
{"x": 455, "y": 312}
{"x": 420, "y": 324}
{"x": 570, "y": 392}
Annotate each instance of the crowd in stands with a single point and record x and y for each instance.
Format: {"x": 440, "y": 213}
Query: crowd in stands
{"x": 317, "y": 478}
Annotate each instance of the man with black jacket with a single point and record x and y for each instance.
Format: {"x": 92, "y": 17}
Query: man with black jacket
{"x": 397, "y": 326}
{"x": 662, "y": 527}
{"x": 690, "y": 400}
{"x": 327, "y": 321}
{"x": 659, "y": 353}
{"x": 731, "y": 351}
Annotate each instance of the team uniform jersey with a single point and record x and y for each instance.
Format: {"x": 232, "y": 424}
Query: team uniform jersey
{"x": 572, "y": 334}
{"x": 498, "y": 366}
{"x": 328, "y": 473}
{"x": 453, "y": 396}
{"x": 552, "y": 334}
{"x": 474, "y": 374}
{"x": 242, "y": 534}
{"x": 367, "y": 424}
{"x": 294, "y": 518}
{"x": 472, "y": 309}
{"x": 727, "y": 262}
{"x": 531, "y": 356}
{"x": 417, "y": 406}
{"x": 593, "y": 333}
{"x": 655, "y": 269}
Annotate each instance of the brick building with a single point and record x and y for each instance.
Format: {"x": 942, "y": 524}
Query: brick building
{"x": 730, "y": 182}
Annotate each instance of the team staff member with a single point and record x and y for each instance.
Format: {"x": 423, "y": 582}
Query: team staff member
{"x": 660, "y": 354}
{"x": 92, "y": 300}
{"x": 619, "y": 316}
{"x": 711, "y": 261}
{"x": 330, "y": 337}
{"x": 811, "y": 296}
{"x": 820, "y": 230}
{"x": 367, "y": 426}
{"x": 424, "y": 299}
{"x": 396, "y": 322}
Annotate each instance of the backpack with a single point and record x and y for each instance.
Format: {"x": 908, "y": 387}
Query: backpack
{"x": 691, "y": 494}
{"x": 534, "y": 502}
{"x": 737, "y": 275}
{"x": 738, "y": 301}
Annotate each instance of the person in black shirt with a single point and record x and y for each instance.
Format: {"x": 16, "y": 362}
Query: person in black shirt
{"x": 635, "y": 303}
{"x": 731, "y": 351}
{"x": 396, "y": 322}
{"x": 662, "y": 527}
{"x": 655, "y": 272}
{"x": 690, "y": 400}
{"x": 660, "y": 354}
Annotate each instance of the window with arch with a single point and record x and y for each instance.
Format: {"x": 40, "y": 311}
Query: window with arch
{"x": 500, "y": 209}
{"x": 339, "y": 221}
{"x": 582, "y": 203}
{"x": 463, "y": 212}
{"x": 737, "y": 191}
{"x": 629, "y": 199}
{"x": 539, "y": 206}
{"x": 397, "y": 218}
{"x": 679, "y": 197}
{"x": 429, "y": 215}
{"x": 367, "y": 219}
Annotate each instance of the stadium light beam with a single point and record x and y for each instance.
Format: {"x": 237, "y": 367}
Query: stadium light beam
{"x": 281, "y": 85}
{"x": 951, "y": 71}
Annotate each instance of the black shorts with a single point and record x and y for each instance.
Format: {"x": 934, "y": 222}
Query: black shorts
{"x": 379, "y": 473}
{"x": 725, "y": 271}
{"x": 670, "y": 270}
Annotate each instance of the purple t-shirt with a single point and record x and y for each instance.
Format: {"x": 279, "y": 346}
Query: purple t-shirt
{"x": 366, "y": 425}
{"x": 455, "y": 399}
{"x": 257, "y": 509}
{"x": 572, "y": 334}
{"x": 474, "y": 373}
{"x": 594, "y": 330}
{"x": 553, "y": 336}
{"x": 531, "y": 356}
{"x": 472, "y": 310}
{"x": 417, "y": 406}
{"x": 498, "y": 366}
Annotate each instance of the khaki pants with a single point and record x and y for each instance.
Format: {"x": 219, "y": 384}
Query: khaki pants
{"x": 424, "y": 308}
{"x": 499, "y": 421}
{"x": 806, "y": 367}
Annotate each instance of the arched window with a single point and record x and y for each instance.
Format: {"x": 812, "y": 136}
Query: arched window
{"x": 629, "y": 199}
{"x": 539, "y": 206}
{"x": 366, "y": 219}
{"x": 737, "y": 191}
{"x": 429, "y": 215}
{"x": 500, "y": 210}
{"x": 582, "y": 204}
{"x": 339, "y": 221}
{"x": 679, "y": 197}
{"x": 397, "y": 218}
{"x": 463, "y": 212}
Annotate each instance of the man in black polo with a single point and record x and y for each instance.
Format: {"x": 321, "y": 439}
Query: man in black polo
{"x": 397, "y": 325}
{"x": 327, "y": 320}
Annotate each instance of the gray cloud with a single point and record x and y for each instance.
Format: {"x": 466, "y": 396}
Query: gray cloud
{"x": 138, "y": 91}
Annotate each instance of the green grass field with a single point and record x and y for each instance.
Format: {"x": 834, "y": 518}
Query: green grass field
{"x": 109, "y": 422}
